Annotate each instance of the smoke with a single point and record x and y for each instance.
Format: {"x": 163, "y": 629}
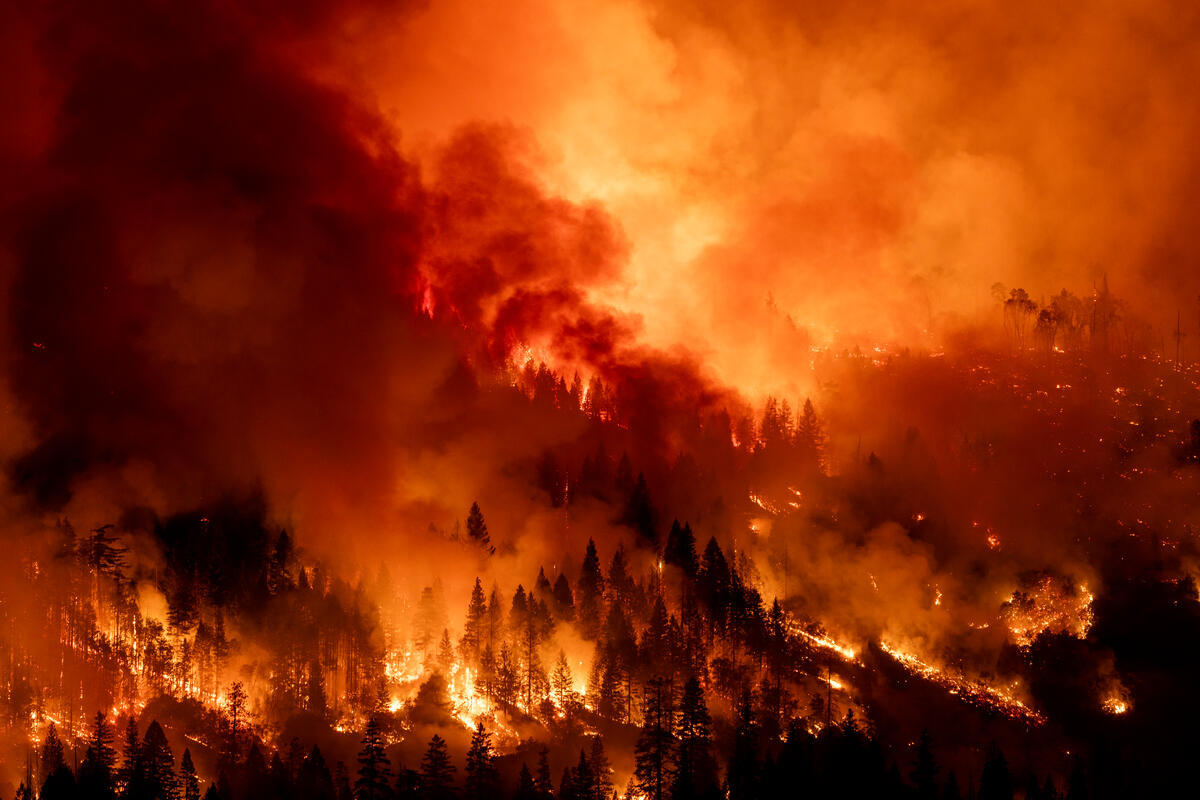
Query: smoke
{"x": 223, "y": 275}
{"x": 860, "y": 174}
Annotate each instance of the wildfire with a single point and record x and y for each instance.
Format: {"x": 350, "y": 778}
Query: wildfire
{"x": 1051, "y": 605}
{"x": 825, "y": 642}
{"x": 1115, "y": 705}
{"x": 1002, "y": 700}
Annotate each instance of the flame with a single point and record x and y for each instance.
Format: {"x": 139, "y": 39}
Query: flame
{"x": 1051, "y": 605}
{"x": 825, "y": 642}
{"x": 1000, "y": 699}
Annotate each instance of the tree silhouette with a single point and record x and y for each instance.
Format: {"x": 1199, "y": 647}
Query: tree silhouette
{"x": 477, "y": 529}
{"x": 437, "y": 773}
{"x": 924, "y": 769}
{"x": 742, "y": 777}
{"x": 652, "y": 754}
{"x": 996, "y": 782}
{"x": 187, "y": 777}
{"x": 97, "y": 773}
{"x": 482, "y": 781}
{"x": 374, "y": 768}
{"x": 158, "y": 765}
{"x": 695, "y": 775}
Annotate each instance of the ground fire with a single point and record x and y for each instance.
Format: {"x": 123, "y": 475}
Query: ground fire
{"x": 617, "y": 400}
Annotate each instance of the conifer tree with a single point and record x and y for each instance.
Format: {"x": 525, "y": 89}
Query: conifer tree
{"x": 475, "y": 629}
{"x": 482, "y": 781}
{"x": 601, "y": 770}
{"x": 158, "y": 765}
{"x": 187, "y": 777}
{"x": 526, "y": 789}
{"x": 590, "y": 591}
{"x": 996, "y": 782}
{"x": 543, "y": 781}
{"x": 314, "y": 780}
{"x": 437, "y": 773}
{"x": 742, "y": 776}
{"x": 477, "y": 529}
{"x": 129, "y": 775}
{"x": 564, "y": 599}
{"x": 924, "y": 769}
{"x": 97, "y": 773}
{"x": 695, "y": 775}
{"x": 653, "y": 753}
{"x": 374, "y": 769}
{"x": 561, "y": 682}
{"x": 680, "y": 549}
{"x": 52, "y": 751}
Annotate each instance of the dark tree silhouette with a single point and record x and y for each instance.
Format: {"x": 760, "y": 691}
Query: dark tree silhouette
{"x": 97, "y": 773}
{"x": 680, "y": 549}
{"x": 996, "y": 782}
{"x": 742, "y": 776}
{"x": 437, "y": 773}
{"x": 190, "y": 784}
{"x": 482, "y": 781}
{"x": 653, "y": 753}
{"x": 924, "y": 769}
{"x": 477, "y": 529}
{"x": 695, "y": 774}
{"x": 374, "y": 769}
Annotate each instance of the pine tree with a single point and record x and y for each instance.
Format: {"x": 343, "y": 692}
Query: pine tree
{"x": 681, "y": 549}
{"x": 562, "y": 683}
{"x": 601, "y": 770}
{"x": 590, "y": 590}
{"x": 482, "y": 781}
{"x": 158, "y": 765}
{"x": 374, "y": 769}
{"x": 996, "y": 782}
{"x": 445, "y": 658}
{"x": 810, "y": 436}
{"x": 52, "y": 751}
{"x": 495, "y": 618}
{"x": 543, "y": 782}
{"x": 235, "y": 710}
{"x": 564, "y": 600}
{"x": 437, "y": 773}
{"x": 639, "y": 513}
{"x": 129, "y": 775}
{"x": 314, "y": 779}
{"x": 715, "y": 583}
{"x": 583, "y": 780}
{"x": 97, "y": 773}
{"x": 475, "y": 629}
{"x": 652, "y": 755}
{"x": 58, "y": 782}
{"x": 187, "y": 777}
{"x": 59, "y": 785}
{"x": 279, "y": 577}
{"x": 477, "y": 529}
{"x": 695, "y": 776}
{"x": 526, "y": 789}
{"x": 924, "y": 769}
{"x": 742, "y": 776}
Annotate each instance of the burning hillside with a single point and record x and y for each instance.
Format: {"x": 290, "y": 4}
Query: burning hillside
{"x": 626, "y": 399}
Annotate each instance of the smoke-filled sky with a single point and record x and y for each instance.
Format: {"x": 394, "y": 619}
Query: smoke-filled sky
{"x": 868, "y": 169}
{"x": 262, "y": 243}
